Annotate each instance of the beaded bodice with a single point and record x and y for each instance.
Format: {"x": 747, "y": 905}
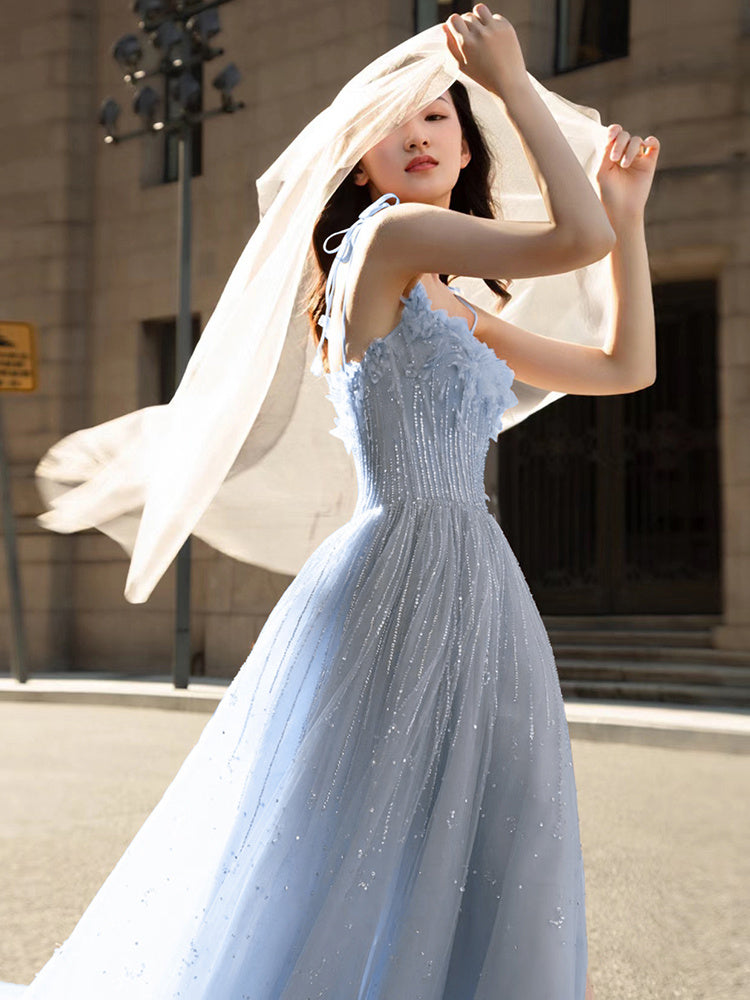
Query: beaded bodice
{"x": 418, "y": 411}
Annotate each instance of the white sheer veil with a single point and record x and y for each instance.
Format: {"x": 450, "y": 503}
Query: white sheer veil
{"x": 240, "y": 456}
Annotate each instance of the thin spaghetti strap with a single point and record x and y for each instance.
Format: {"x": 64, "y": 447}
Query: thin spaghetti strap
{"x": 469, "y": 306}
{"x": 343, "y": 254}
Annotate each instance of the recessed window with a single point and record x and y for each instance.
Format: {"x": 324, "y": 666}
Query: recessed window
{"x": 158, "y": 358}
{"x": 429, "y": 12}
{"x": 590, "y": 31}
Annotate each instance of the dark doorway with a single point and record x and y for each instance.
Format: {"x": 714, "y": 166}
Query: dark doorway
{"x": 612, "y": 503}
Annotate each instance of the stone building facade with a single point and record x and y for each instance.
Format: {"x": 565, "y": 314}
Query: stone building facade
{"x": 88, "y": 255}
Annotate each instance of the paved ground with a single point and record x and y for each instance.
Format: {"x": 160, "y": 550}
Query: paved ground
{"x": 645, "y": 723}
{"x": 664, "y": 831}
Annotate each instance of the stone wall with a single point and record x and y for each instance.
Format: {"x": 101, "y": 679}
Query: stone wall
{"x": 47, "y": 64}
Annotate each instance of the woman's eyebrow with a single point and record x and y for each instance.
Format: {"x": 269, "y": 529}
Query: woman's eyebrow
{"x": 441, "y": 98}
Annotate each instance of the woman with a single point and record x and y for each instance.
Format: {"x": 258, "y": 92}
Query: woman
{"x": 383, "y": 805}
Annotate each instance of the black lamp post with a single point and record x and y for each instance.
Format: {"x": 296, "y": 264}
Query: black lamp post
{"x": 180, "y": 32}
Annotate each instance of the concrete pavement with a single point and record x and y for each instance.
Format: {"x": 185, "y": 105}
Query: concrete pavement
{"x": 644, "y": 723}
{"x": 664, "y": 833}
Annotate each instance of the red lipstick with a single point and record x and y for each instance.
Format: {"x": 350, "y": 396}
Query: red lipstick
{"x": 421, "y": 163}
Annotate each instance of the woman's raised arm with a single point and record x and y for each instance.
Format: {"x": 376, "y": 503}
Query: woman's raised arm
{"x": 425, "y": 238}
{"x": 487, "y": 49}
{"x": 629, "y": 361}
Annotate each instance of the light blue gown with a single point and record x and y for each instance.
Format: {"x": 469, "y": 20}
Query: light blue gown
{"x": 383, "y": 805}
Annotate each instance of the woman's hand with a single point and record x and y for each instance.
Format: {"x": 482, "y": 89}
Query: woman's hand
{"x": 487, "y": 49}
{"x": 626, "y": 173}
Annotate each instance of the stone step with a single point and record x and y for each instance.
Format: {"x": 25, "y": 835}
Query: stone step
{"x": 644, "y": 623}
{"x": 706, "y": 656}
{"x": 640, "y": 671}
{"x": 700, "y": 638}
{"x": 676, "y": 694}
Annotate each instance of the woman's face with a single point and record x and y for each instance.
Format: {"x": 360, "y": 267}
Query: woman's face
{"x": 421, "y": 160}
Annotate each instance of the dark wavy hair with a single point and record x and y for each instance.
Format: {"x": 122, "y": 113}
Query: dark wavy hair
{"x": 471, "y": 195}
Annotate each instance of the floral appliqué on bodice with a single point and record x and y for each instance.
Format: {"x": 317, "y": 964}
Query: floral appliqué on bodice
{"x": 435, "y": 349}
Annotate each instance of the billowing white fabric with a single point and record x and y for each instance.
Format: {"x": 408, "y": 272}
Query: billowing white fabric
{"x": 240, "y": 456}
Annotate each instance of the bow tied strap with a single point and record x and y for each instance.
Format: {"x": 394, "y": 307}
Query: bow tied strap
{"x": 343, "y": 253}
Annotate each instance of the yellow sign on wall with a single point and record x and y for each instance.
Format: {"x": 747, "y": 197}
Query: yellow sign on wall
{"x": 18, "y": 369}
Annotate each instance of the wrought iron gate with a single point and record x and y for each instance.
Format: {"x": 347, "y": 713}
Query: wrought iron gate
{"x": 612, "y": 503}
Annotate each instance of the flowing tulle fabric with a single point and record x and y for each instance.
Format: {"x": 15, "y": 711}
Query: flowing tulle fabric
{"x": 383, "y": 805}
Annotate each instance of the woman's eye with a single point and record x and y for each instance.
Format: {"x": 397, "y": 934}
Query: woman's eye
{"x": 435, "y": 115}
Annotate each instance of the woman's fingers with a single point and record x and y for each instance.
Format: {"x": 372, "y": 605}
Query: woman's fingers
{"x": 618, "y": 146}
{"x": 456, "y": 35}
{"x": 487, "y": 48}
{"x": 632, "y": 150}
{"x": 461, "y": 25}
{"x": 458, "y": 25}
{"x": 466, "y": 22}
{"x": 483, "y": 13}
{"x": 625, "y": 147}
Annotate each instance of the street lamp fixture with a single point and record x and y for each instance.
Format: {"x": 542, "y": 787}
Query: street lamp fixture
{"x": 166, "y": 36}
{"x": 147, "y": 10}
{"x": 108, "y": 115}
{"x": 225, "y": 82}
{"x": 182, "y": 39}
{"x": 187, "y": 91}
{"x": 128, "y": 52}
{"x": 146, "y": 104}
{"x": 204, "y": 25}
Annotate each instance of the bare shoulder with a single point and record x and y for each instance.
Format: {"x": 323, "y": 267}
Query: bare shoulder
{"x": 373, "y": 292}
{"x": 376, "y": 279}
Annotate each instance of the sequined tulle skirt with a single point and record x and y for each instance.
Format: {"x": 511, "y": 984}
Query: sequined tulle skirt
{"x": 382, "y": 807}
